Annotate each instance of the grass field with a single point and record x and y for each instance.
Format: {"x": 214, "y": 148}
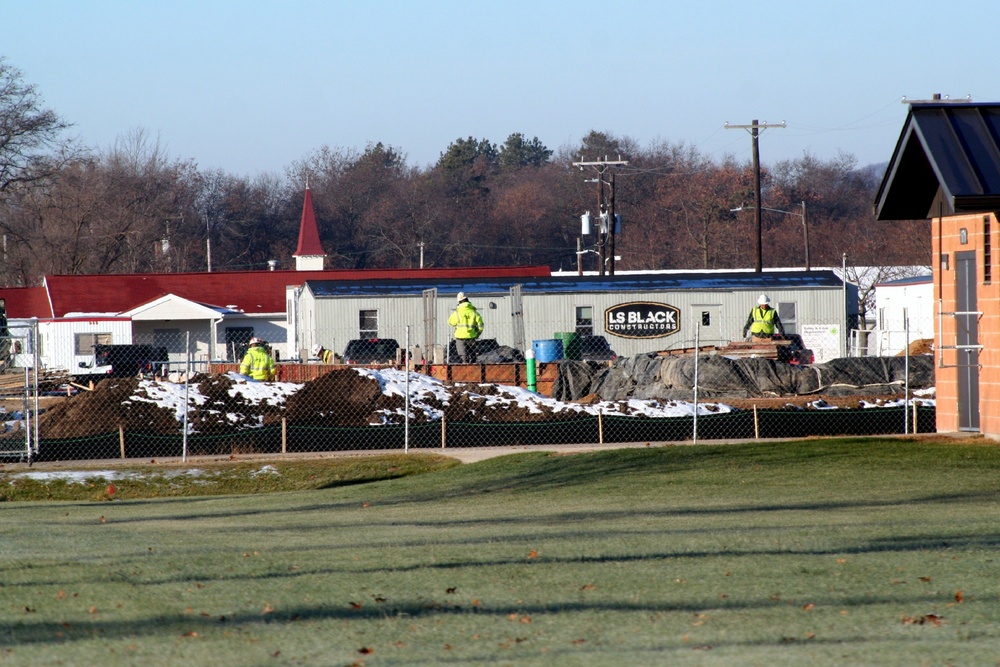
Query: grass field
{"x": 827, "y": 552}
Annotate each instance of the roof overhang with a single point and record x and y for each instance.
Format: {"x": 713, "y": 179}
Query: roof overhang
{"x": 946, "y": 162}
{"x": 173, "y": 307}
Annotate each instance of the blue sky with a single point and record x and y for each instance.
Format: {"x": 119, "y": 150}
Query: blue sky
{"x": 250, "y": 86}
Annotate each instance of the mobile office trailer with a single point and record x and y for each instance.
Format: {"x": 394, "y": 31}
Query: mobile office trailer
{"x": 66, "y": 343}
{"x": 637, "y": 313}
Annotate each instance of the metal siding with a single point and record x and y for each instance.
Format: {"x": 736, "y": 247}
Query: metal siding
{"x": 548, "y": 314}
{"x": 57, "y": 340}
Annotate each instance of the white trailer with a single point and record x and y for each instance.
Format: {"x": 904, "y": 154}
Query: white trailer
{"x": 66, "y": 343}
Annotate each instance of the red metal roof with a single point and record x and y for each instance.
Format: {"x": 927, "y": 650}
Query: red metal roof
{"x": 308, "y": 231}
{"x": 249, "y": 291}
{"x": 25, "y": 302}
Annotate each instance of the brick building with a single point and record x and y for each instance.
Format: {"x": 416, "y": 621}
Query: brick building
{"x": 946, "y": 169}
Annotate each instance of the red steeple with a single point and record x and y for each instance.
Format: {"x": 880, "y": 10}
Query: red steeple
{"x": 308, "y": 231}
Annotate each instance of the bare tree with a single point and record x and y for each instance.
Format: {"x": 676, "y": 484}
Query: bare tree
{"x": 28, "y": 132}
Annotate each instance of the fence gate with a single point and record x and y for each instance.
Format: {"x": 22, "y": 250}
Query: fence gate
{"x": 19, "y": 393}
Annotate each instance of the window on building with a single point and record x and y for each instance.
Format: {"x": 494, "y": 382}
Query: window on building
{"x": 786, "y": 312}
{"x": 367, "y": 324}
{"x": 83, "y": 343}
{"x": 585, "y": 320}
{"x": 987, "y": 252}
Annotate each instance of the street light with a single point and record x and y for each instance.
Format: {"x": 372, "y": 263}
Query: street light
{"x": 805, "y": 226}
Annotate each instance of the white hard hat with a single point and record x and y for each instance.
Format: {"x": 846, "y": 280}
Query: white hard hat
{"x": 316, "y": 349}
{"x": 256, "y": 341}
{"x": 461, "y": 296}
{"x": 762, "y": 299}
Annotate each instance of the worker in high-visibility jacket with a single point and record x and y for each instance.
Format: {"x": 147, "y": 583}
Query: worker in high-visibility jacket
{"x": 763, "y": 321}
{"x": 468, "y": 324}
{"x": 257, "y": 362}
{"x": 324, "y": 355}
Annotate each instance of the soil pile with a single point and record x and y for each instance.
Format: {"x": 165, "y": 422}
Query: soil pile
{"x": 349, "y": 397}
{"x": 104, "y": 410}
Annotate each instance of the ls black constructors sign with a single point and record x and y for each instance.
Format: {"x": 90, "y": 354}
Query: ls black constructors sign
{"x": 642, "y": 319}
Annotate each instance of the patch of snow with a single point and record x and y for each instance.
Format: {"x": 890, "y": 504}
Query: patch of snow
{"x": 84, "y": 476}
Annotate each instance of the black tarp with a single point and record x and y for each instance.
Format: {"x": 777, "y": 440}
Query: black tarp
{"x": 651, "y": 376}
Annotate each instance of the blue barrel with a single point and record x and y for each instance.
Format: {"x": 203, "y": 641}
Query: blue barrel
{"x": 547, "y": 350}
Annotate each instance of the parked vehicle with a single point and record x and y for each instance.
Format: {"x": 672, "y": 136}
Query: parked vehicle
{"x": 124, "y": 361}
{"x": 371, "y": 351}
{"x": 595, "y": 348}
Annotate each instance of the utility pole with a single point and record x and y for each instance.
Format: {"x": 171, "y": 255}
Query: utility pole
{"x": 755, "y": 128}
{"x": 611, "y": 228}
{"x": 605, "y": 224}
{"x": 805, "y": 233}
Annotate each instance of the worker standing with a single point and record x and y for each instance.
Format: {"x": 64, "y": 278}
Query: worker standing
{"x": 468, "y": 324}
{"x": 257, "y": 362}
{"x": 763, "y": 321}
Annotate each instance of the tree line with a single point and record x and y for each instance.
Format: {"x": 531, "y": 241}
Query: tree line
{"x": 131, "y": 208}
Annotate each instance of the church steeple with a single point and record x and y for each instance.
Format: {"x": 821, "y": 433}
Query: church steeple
{"x": 309, "y": 255}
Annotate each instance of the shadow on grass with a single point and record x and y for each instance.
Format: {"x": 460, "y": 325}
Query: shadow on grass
{"x": 25, "y": 632}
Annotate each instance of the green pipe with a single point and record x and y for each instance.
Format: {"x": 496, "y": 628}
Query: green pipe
{"x": 529, "y": 361}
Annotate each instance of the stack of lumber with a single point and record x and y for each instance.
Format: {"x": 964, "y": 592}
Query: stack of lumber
{"x": 12, "y": 383}
{"x": 758, "y": 349}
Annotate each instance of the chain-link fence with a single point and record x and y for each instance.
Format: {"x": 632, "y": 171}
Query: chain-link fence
{"x": 161, "y": 394}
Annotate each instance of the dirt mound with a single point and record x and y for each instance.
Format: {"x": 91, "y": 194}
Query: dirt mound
{"x": 342, "y": 397}
{"x": 104, "y": 410}
{"x": 491, "y": 403}
{"x": 225, "y": 410}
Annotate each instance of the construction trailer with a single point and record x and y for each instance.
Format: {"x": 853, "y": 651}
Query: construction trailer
{"x": 636, "y": 313}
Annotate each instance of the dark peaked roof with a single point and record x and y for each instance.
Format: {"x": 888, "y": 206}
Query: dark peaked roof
{"x": 309, "y": 243}
{"x": 946, "y": 162}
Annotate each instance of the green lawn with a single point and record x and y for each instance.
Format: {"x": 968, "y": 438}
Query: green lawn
{"x": 826, "y": 552}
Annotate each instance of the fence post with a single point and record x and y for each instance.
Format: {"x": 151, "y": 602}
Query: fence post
{"x": 121, "y": 439}
{"x": 187, "y": 386}
{"x": 906, "y": 374}
{"x": 406, "y": 393}
{"x": 694, "y": 421}
{"x": 284, "y": 434}
{"x": 444, "y": 430}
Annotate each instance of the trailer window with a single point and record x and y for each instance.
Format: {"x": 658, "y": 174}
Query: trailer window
{"x": 786, "y": 311}
{"x": 585, "y": 320}
{"x": 368, "y": 324}
{"x": 83, "y": 343}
